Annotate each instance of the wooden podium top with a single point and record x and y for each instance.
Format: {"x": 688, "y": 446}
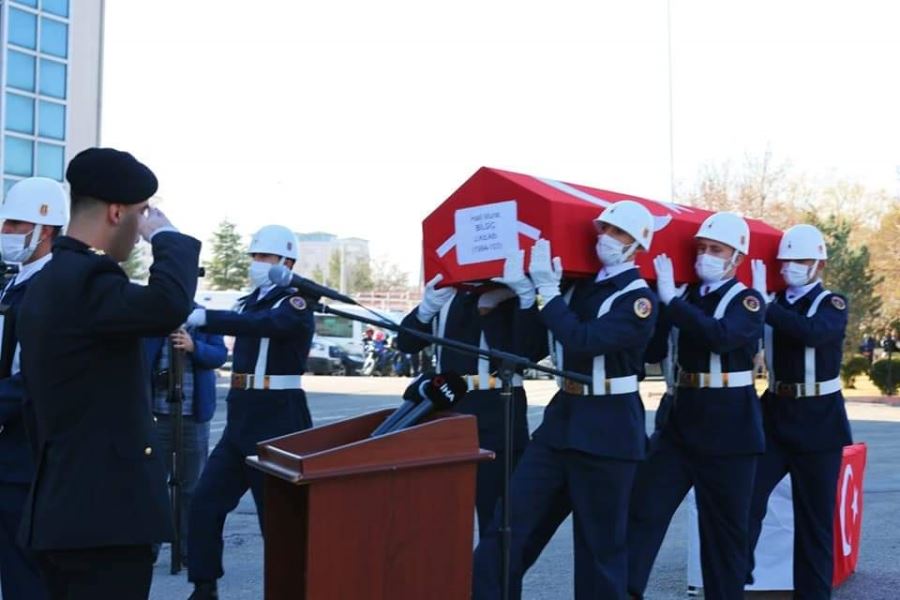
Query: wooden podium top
{"x": 345, "y": 448}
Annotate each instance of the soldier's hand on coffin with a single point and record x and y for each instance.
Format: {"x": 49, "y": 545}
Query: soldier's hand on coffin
{"x": 545, "y": 275}
{"x": 433, "y": 299}
{"x": 182, "y": 340}
{"x": 758, "y": 268}
{"x": 151, "y": 221}
{"x": 665, "y": 278}
{"x": 515, "y": 279}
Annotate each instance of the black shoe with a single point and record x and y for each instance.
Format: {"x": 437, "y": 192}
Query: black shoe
{"x": 205, "y": 590}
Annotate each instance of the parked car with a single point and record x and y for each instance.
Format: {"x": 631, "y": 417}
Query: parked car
{"x": 324, "y": 358}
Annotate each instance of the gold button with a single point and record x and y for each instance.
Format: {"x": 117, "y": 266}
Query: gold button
{"x": 148, "y": 450}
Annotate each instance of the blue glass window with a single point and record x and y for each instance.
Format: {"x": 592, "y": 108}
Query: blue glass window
{"x": 57, "y": 7}
{"x": 18, "y": 156}
{"x": 53, "y": 78}
{"x": 50, "y": 161}
{"x": 19, "y": 113}
{"x": 32, "y": 3}
{"x": 54, "y": 37}
{"x": 22, "y": 28}
{"x": 51, "y": 120}
{"x": 20, "y": 71}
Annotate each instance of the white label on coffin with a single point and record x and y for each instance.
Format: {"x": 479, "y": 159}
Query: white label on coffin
{"x": 487, "y": 232}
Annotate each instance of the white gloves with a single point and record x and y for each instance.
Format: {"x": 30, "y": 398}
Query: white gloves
{"x": 154, "y": 222}
{"x": 515, "y": 279}
{"x": 665, "y": 278}
{"x": 197, "y": 318}
{"x": 546, "y": 276}
{"x": 433, "y": 299}
{"x": 758, "y": 268}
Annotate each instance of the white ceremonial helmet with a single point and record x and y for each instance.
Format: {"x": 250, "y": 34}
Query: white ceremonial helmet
{"x": 274, "y": 239}
{"x": 802, "y": 242}
{"x": 632, "y": 218}
{"x": 38, "y": 200}
{"x": 728, "y": 228}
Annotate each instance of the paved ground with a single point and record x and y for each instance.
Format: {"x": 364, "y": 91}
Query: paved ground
{"x": 877, "y": 577}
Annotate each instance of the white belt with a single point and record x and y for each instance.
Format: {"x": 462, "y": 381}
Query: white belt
{"x": 733, "y": 379}
{"x": 243, "y": 381}
{"x": 802, "y": 390}
{"x": 614, "y": 385}
{"x": 491, "y": 382}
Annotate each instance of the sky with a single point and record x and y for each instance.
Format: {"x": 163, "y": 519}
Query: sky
{"x": 359, "y": 118}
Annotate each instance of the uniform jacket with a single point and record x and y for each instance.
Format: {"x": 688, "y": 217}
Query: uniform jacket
{"x": 99, "y": 481}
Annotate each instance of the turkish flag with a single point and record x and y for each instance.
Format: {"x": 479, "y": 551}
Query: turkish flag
{"x": 848, "y": 512}
{"x": 494, "y": 213}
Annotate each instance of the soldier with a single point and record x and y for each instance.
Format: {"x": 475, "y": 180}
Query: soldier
{"x": 498, "y": 318}
{"x": 99, "y": 497}
{"x": 34, "y": 212}
{"x": 803, "y": 409}
{"x": 583, "y": 456}
{"x": 273, "y": 328}
{"x": 713, "y": 433}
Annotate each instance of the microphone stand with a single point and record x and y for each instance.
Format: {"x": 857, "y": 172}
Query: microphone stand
{"x": 508, "y": 364}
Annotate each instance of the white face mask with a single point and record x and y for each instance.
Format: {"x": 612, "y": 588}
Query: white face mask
{"x": 796, "y": 274}
{"x": 611, "y": 251}
{"x": 13, "y": 248}
{"x": 259, "y": 274}
{"x": 710, "y": 269}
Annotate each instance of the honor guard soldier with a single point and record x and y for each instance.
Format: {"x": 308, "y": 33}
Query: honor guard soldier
{"x": 713, "y": 433}
{"x": 583, "y": 456}
{"x": 273, "y": 328}
{"x": 803, "y": 409}
{"x": 497, "y": 319}
{"x": 34, "y": 212}
{"x": 99, "y": 498}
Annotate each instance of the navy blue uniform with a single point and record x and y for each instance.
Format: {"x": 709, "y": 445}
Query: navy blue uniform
{"x": 502, "y": 328}
{"x": 583, "y": 456}
{"x": 709, "y": 440}
{"x": 100, "y": 481}
{"x": 272, "y": 340}
{"x": 19, "y": 572}
{"x": 806, "y": 428}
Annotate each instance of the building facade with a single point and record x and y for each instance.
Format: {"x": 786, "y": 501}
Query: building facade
{"x": 51, "y": 77}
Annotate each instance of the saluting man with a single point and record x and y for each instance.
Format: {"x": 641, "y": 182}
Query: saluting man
{"x": 498, "y": 318}
{"x": 34, "y": 212}
{"x": 713, "y": 432}
{"x": 583, "y": 456}
{"x": 99, "y": 498}
{"x": 273, "y": 328}
{"x": 803, "y": 410}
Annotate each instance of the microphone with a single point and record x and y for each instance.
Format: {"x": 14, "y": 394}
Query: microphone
{"x": 442, "y": 392}
{"x": 281, "y": 275}
{"x": 414, "y": 394}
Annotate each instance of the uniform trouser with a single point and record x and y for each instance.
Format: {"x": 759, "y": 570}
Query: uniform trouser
{"x": 20, "y": 575}
{"x": 547, "y": 482}
{"x": 120, "y": 572}
{"x": 814, "y": 478}
{"x": 225, "y": 479}
{"x": 722, "y": 485}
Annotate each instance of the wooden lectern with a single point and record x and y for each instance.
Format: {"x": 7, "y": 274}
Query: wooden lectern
{"x": 357, "y": 518}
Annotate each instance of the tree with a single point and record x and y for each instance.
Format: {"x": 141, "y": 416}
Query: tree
{"x": 228, "y": 268}
{"x": 848, "y": 272}
{"x": 388, "y": 276}
{"x": 885, "y": 247}
{"x": 135, "y": 266}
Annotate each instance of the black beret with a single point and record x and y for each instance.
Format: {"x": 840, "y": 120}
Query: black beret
{"x": 110, "y": 175}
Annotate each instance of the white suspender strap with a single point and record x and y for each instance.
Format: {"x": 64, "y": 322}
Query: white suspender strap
{"x": 262, "y": 357}
{"x": 715, "y": 361}
{"x": 484, "y": 365}
{"x": 439, "y": 328}
{"x": 556, "y": 349}
{"x": 769, "y": 351}
{"x": 599, "y": 374}
{"x": 670, "y": 363}
{"x": 809, "y": 358}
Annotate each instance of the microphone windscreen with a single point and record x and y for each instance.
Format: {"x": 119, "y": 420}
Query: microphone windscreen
{"x": 445, "y": 390}
{"x": 280, "y": 275}
{"x": 413, "y": 392}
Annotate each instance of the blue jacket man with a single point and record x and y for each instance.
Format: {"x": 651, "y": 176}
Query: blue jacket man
{"x": 273, "y": 328}
{"x": 26, "y": 239}
{"x": 803, "y": 409}
{"x": 713, "y": 432}
{"x": 583, "y": 456}
{"x": 99, "y": 500}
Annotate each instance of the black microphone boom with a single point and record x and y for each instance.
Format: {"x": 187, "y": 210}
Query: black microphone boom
{"x": 441, "y": 393}
{"x": 414, "y": 394}
{"x": 281, "y": 275}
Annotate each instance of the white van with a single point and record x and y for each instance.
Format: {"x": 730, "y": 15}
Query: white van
{"x": 346, "y": 332}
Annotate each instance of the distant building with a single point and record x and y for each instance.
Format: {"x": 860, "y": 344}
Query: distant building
{"x": 316, "y": 248}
